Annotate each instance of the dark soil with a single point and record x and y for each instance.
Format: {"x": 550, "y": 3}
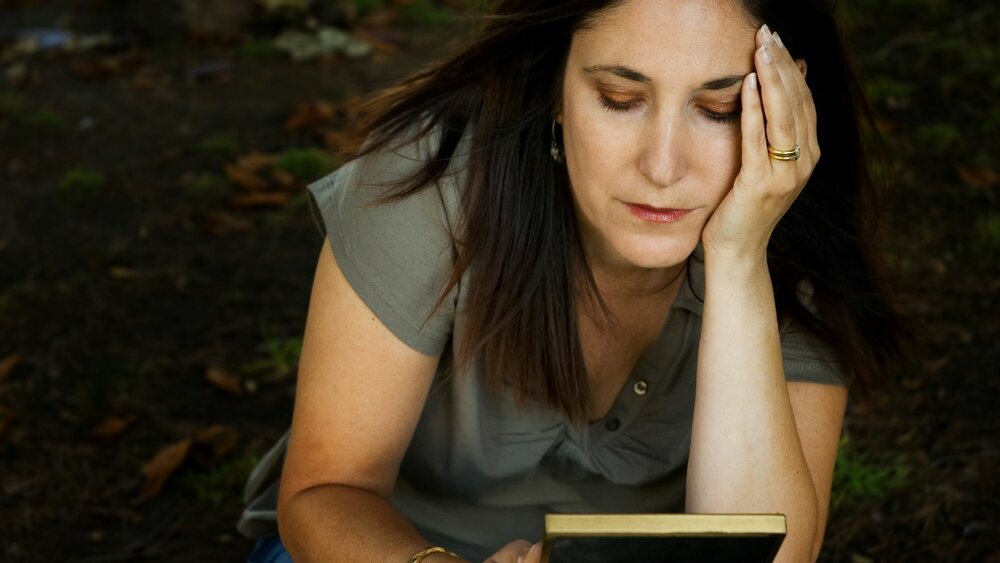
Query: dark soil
{"x": 119, "y": 294}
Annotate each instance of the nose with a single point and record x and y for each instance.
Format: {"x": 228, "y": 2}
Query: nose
{"x": 663, "y": 152}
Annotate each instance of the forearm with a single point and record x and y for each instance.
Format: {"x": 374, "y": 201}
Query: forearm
{"x": 342, "y": 523}
{"x": 745, "y": 452}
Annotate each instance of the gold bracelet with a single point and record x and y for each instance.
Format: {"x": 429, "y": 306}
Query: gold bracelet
{"x": 419, "y": 556}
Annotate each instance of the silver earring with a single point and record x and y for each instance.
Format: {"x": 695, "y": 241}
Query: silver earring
{"x": 555, "y": 151}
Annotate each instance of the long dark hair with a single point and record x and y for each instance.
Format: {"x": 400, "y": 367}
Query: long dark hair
{"x": 519, "y": 239}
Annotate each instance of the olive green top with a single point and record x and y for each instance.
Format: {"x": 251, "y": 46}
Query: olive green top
{"x": 479, "y": 472}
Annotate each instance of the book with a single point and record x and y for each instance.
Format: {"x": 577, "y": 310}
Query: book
{"x": 662, "y": 538}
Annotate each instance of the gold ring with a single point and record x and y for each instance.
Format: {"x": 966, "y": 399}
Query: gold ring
{"x": 792, "y": 154}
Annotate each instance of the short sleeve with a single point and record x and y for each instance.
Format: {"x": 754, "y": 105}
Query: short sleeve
{"x": 807, "y": 359}
{"x": 397, "y": 256}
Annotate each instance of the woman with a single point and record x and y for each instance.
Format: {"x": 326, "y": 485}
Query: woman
{"x": 589, "y": 264}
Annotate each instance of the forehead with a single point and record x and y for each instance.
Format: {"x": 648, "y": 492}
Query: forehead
{"x": 663, "y": 37}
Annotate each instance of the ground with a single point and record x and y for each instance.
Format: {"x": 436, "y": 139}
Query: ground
{"x": 156, "y": 254}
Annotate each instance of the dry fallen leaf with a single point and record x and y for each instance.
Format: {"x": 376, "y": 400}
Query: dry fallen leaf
{"x": 216, "y": 441}
{"x": 220, "y": 223}
{"x": 161, "y": 467}
{"x": 255, "y": 161}
{"x": 224, "y": 380}
{"x": 5, "y": 418}
{"x": 982, "y": 177}
{"x": 259, "y": 199}
{"x": 112, "y": 426}
{"x": 384, "y": 43}
{"x": 245, "y": 178}
{"x": 126, "y": 273}
{"x": 284, "y": 180}
{"x": 339, "y": 142}
{"x": 308, "y": 114}
{"x": 8, "y": 364}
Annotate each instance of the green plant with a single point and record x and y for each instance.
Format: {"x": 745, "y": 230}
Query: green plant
{"x": 985, "y": 246}
{"x": 280, "y": 359}
{"x": 305, "y": 164}
{"x": 365, "y": 7}
{"x": 258, "y": 49}
{"x": 45, "y": 119}
{"x": 938, "y": 138}
{"x": 222, "y": 144}
{"x": 206, "y": 188}
{"x": 426, "y": 13}
{"x": 858, "y": 476}
{"x": 222, "y": 484}
{"x": 80, "y": 183}
{"x": 12, "y": 105}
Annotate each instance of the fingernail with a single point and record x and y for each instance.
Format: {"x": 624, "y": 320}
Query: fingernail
{"x": 765, "y": 54}
{"x": 752, "y": 77}
{"x": 777, "y": 39}
{"x": 767, "y": 32}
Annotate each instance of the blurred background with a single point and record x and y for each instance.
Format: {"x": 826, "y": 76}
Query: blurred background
{"x": 156, "y": 254}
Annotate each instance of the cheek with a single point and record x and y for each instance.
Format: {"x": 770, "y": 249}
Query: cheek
{"x": 719, "y": 165}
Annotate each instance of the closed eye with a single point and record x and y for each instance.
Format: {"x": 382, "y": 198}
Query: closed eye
{"x": 613, "y": 105}
{"x": 727, "y": 118}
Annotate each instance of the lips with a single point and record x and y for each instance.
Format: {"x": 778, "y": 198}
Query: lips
{"x": 656, "y": 214}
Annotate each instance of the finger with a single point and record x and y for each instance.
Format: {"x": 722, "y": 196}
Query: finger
{"x": 800, "y": 96}
{"x": 779, "y": 117}
{"x": 534, "y": 555}
{"x": 510, "y": 552}
{"x": 791, "y": 78}
{"x": 754, "y": 143}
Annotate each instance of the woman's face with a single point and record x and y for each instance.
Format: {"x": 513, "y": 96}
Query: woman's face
{"x": 650, "y": 118}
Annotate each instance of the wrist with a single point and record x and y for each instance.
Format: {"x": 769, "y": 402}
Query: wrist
{"x": 727, "y": 264}
{"x": 435, "y": 554}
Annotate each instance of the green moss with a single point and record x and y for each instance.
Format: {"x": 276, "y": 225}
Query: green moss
{"x": 426, "y": 13}
{"x": 206, "y": 188}
{"x": 984, "y": 248}
{"x": 45, "y": 119}
{"x": 938, "y": 138}
{"x": 365, "y": 7}
{"x": 222, "y": 144}
{"x": 79, "y": 184}
{"x": 12, "y": 105}
{"x": 305, "y": 164}
{"x": 258, "y": 49}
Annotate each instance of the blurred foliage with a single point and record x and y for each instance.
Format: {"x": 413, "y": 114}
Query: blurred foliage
{"x": 206, "y": 188}
{"x": 280, "y": 358}
{"x": 859, "y": 476}
{"x": 306, "y": 164}
{"x": 79, "y": 184}
{"x": 222, "y": 484}
{"x": 221, "y": 145}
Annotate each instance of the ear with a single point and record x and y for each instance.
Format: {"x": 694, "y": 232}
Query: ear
{"x": 803, "y": 67}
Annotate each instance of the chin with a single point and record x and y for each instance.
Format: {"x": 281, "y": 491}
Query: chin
{"x": 656, "y": 252}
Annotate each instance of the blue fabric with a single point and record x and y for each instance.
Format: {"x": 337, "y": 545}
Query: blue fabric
{"x": 269, "y": 550}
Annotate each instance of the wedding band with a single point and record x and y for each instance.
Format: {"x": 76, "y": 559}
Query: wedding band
{"x": 792, "y": 154}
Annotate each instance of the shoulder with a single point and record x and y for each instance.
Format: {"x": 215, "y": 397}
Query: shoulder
{"x": 397, "y": 255}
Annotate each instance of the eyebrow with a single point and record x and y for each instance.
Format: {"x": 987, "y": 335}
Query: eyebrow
{"x": 636, "y": 76}
{"x": 618, "y": 70}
